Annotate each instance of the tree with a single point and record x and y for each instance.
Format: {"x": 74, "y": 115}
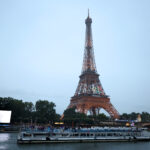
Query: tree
{"x": 16, "y": 106}
{"x": 71, "y": 116}
{"x": 28, "y": 112}
{"x": 145, "y": 117}
{"x": 102, "y": 117}
{"x": 25, "y": 112}
{"x": 133, "y": 116}
{"x": 124, "y": 116}
{"x": 45, "y": 111}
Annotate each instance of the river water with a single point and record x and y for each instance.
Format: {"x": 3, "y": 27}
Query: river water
{"x": 8, "y": 142}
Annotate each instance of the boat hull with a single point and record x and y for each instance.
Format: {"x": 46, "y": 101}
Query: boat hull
{"x": 85, "y": 140}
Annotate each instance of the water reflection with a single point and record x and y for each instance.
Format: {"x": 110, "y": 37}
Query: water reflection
{"x": 4, "y": 137}
{"x": 3, "y": 147}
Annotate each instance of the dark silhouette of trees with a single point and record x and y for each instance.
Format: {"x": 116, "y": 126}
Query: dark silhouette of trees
{"x": 131, "y": 116}
{"x": 45, "y": 111}
{"x": 16, "y": 106}
{"x": 71, "y": 116}
{"x": 26, "y": 112}
{"x": 145, "y": 116}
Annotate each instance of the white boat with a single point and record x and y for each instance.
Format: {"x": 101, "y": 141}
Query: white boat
{"x": 83, "y": 135}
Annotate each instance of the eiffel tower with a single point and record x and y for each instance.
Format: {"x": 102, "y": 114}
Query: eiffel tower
{"x": 90, "y": 96}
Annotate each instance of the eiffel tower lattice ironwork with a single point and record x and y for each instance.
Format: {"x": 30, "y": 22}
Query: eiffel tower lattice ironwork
{"x": 90, "y": 95}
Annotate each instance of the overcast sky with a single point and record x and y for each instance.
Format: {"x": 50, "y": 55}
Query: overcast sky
{"x": 42, "y": 45}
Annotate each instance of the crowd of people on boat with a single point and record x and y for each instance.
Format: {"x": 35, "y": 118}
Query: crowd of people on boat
{"x": 50, "y": 128}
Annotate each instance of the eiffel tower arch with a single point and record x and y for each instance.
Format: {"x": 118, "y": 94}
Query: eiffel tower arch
{"x": 90, "y": 95}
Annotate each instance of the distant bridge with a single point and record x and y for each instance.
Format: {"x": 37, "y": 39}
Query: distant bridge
{"x": 145, "y": 124}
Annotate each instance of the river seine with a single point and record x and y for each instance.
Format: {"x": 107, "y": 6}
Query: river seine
{"x": 8, "y": 142}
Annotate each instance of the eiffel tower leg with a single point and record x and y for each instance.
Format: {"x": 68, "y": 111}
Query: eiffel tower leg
{"x": 111, "y": 110}
{"x": 91, "y": 112}
{"x": 98, "y": 111}
{"x": 94, "y": 110}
